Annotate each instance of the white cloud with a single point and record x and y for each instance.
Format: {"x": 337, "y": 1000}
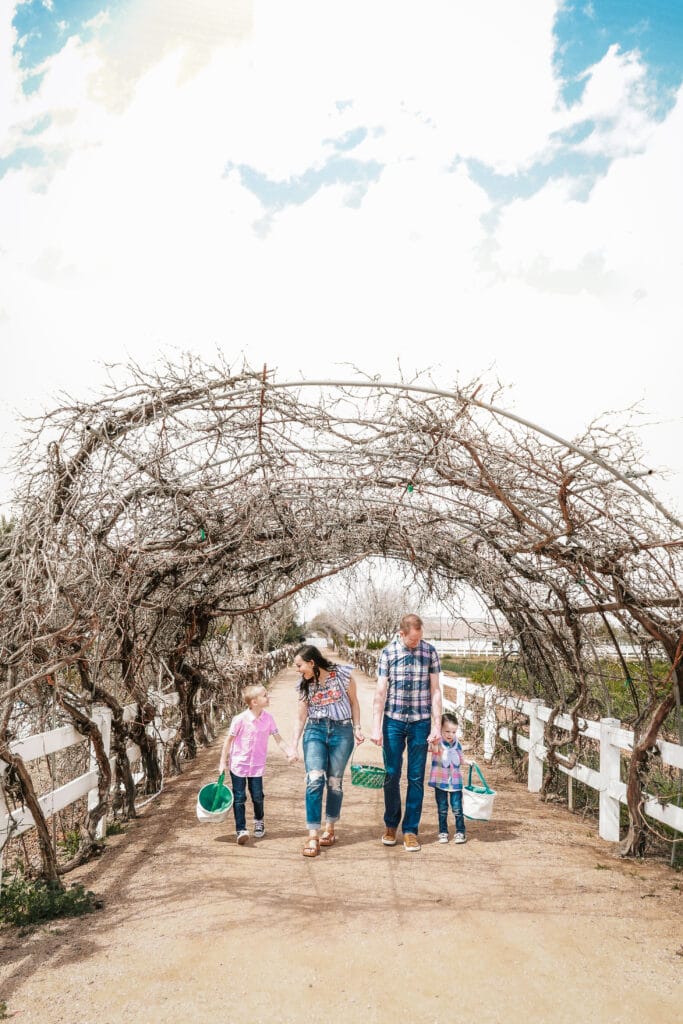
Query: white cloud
{"x": 136, "y": 238}
{"x": 619, "y": 99}
{"x": 631, "y": 223}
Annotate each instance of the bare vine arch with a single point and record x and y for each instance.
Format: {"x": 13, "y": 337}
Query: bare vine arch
{"x": 194, "y": 495}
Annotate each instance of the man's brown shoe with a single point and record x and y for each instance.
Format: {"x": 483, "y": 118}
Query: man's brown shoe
{"x": 410, "y": 842}
{"x": 389, "y": 837}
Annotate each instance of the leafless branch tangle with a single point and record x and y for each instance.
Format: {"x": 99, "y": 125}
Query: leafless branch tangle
{"x": 196, "y": 495}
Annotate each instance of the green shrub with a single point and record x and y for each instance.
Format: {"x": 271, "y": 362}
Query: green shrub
{"x": 70, "y": 842}
{"x": 24, "y": 902}
{"x": 478, "y": 671}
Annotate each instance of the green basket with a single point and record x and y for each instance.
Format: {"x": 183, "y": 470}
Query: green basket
{"x": 370, "y": 776}
{"x": 214, "y": 801}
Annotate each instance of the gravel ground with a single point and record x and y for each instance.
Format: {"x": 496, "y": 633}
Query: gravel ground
{"x": 534, "y": 919}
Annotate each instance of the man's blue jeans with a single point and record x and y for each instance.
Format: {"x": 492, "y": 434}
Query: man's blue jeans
{"x": 443, "y": 798}
{"x": 239, "y": 798}
{"x": 327, "y": 749}
{"x": 396, "y": 736}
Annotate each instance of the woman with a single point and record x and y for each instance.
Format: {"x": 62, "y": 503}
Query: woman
{"x": 329, "y": 717}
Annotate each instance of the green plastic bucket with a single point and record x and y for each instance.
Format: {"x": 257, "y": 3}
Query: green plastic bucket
{"x": 214, "y": 802}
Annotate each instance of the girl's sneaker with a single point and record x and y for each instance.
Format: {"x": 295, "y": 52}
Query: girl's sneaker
{"x": 242, "y": 837}
{"x": 259, "y": 830}
{"x": 443, "y": 837}
{"x": 460, "y": 837}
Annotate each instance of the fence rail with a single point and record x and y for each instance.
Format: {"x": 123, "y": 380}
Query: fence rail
{"x": 30, "y": 748}
{"x": 607, "y": 733}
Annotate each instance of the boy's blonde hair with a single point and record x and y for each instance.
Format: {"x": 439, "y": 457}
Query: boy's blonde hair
{"x": 251, "y": 691}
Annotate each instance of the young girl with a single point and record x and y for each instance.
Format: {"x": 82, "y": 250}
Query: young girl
{"x": 244, "y": 751}
{"x": 446, "y": 778}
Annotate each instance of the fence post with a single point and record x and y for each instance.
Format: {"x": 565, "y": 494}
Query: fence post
{"x": 4, "y": 809}
{"x": 212, "y": 717}
{"x": 535, "y": 772}
{"x": 610, "y": 771}
{"x": 158, "y": 726}
{"x": 490, "y": 722}
{"x": 4, "y": 821}
{"x": 101, "y": 716}
{"x": 461, "y": 702}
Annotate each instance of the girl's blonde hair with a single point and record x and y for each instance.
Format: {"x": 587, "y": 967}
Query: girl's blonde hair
{"x": 251, "y": 691}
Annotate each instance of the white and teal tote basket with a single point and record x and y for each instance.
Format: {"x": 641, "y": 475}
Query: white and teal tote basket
{"x": 477, "y": 801}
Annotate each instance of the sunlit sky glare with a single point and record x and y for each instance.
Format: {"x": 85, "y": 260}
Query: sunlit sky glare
{"x": 459, "y": 186}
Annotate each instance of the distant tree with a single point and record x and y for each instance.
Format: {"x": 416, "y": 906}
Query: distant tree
{"x": 277, "y": 626}
{"x": 369, "y": 612}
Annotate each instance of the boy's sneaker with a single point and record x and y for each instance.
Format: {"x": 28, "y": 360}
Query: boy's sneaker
{"x": 460, "y": 837}
{"x": 443, "y": 837}
{"x": 242, "y": 837}
{"x": 259, "y": 830}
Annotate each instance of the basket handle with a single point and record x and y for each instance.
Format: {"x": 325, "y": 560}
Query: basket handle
{"x": 355, "y": 750}
{"x": 217, "y": 794}
{"x": 479, "y": 773}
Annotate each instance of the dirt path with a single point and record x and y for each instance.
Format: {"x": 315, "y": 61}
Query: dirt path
{"x": 532, "y": 920}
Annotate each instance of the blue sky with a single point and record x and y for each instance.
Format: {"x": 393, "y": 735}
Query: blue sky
{"x": 491, "y": 188}
{"x": 584, "y": 31}
{"x": 43, "y": 26}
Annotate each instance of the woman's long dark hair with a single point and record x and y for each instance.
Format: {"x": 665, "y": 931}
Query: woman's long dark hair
{"x": 307, "y": 652}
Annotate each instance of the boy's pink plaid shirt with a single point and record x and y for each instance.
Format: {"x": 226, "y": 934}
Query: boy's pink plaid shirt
{"x": 250, "y": 745}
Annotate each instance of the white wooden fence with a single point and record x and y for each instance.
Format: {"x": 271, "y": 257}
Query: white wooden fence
{"x": 612, "y": 740}
{"x": 43, "y": 744}
{"x": 30, "y": 748}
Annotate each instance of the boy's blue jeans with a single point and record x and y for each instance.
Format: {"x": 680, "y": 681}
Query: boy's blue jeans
{"x": 327, "y": 749}
{"x": 239, "y": 798}
{"x": 442, "y": 801}
{"x": 396, "y": 737}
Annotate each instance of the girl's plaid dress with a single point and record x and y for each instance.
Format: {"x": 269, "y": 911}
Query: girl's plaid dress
{"x": 445, "y": 773}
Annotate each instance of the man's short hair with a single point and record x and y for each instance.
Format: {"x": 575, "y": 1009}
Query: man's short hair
{"x": 409, "y": 622}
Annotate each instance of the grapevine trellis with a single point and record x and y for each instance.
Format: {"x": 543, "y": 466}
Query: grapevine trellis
{"x": 195, "y": 497}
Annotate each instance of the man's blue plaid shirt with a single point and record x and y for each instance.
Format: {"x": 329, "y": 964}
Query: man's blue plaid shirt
{"x": 409, "y": 694}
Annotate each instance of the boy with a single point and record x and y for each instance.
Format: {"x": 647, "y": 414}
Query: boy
{"x": 244, "y": 751}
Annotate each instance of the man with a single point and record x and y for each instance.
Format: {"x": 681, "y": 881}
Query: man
{"x": 408, "y": 695}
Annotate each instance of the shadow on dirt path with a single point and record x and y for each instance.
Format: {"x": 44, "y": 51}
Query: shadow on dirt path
{"x": 533, "y": 911}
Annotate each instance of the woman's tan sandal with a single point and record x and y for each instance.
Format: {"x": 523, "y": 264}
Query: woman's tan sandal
{"x": 328, "y": 838}
{"x": 311, "y": 847}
